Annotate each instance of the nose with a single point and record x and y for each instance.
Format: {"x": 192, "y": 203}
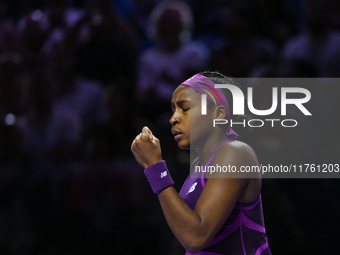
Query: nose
{"x": 174, "y": 119}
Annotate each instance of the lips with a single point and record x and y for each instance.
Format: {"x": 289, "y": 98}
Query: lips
{"x": 177, "y": 134}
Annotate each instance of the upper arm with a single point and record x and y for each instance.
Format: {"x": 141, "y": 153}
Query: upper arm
{"x": 220, "y": 194}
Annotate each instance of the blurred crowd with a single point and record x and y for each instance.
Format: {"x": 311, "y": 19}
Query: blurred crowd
{"x": 80, "y": 78}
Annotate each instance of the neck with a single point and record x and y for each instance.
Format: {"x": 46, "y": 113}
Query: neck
{"x": 205, "y": 151}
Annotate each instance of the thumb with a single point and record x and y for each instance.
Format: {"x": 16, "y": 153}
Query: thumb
{"x": 146, "y": 131}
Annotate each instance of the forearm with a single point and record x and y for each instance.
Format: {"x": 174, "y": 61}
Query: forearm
{"x": 186, "y": 224}
{"x": 193, "y": 229}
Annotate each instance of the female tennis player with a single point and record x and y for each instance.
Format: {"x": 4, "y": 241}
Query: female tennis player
{"x": 209, "y": 216}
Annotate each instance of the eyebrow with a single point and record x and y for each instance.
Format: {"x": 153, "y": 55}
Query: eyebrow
{"x": 182, "y": 101}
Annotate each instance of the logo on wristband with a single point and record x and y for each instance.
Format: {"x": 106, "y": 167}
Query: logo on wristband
{"x": 163, "y": 174}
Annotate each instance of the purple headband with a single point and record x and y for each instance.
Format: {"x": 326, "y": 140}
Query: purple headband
{"x": 204, "y": 85}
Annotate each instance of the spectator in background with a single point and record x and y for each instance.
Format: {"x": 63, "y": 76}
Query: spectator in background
{"x": 58, "y": 16}
{"x": 318, "y": 47}
{"x": 11, "y": 82}
{"x": 74, "y": 92}
{"x": 173, "y": 58}
{"x": 276, "y": 20}
{"x": 49, "y": 133}
{"x": 241, "y": 51}
{"x": 8, "y": 37}
{"x": 61, "y": 14}
{"x": 107, "y": 52}
{"x": 32, "y": 32}
{"x": 140, "y": 12}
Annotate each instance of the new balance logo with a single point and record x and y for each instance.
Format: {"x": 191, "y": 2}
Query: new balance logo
{"x": 163, "y": 174}
{"x": 192, "y": 188}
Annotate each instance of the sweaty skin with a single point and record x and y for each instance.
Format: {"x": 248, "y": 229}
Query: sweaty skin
{"x": 196, "y": 228}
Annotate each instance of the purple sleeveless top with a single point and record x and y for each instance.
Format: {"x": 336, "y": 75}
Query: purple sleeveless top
{"x": 243, "y": 233}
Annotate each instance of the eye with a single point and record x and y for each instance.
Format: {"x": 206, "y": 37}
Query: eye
{"x": 186, "y": 109}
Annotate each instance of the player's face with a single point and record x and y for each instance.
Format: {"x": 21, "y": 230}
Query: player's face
{"x": 186, "y": 109}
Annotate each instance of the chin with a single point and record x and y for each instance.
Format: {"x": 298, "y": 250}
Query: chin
{"x": 183, "y": 145}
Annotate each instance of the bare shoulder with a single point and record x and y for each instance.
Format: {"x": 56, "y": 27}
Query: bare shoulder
{"x": 236, "y": 152}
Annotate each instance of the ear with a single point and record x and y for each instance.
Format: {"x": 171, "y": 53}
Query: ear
{"x": 220, "y": 112}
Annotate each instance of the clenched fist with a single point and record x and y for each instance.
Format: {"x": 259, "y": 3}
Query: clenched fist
{"x": 146, "y": 148}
